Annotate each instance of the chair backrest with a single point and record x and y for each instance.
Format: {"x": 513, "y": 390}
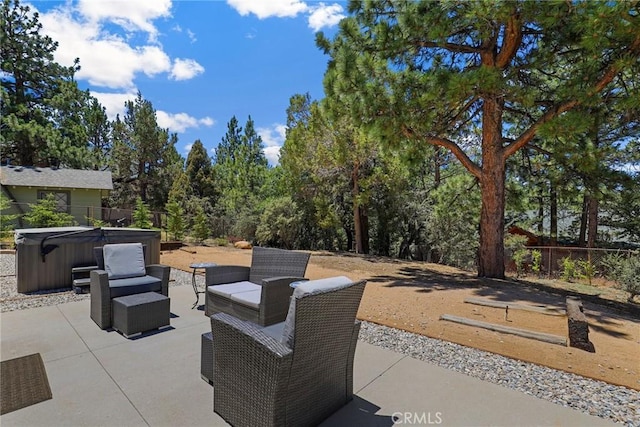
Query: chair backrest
{"x": 324, "y": 336}
{"x": 271, "y": 262}
{"x": 98, "y": 253}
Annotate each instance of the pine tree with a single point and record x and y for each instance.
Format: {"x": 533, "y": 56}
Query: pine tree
{"x": 144, "y": 160}
{"x": 199, "y": 171}
{"x": 42, "y": 107}
{"x": 480, "y": 81}
{"x": 240, "y": 166}
{"x": 175, "y": 220}
{"x": 141, "y": 215}
{"x": 201, "y": 227}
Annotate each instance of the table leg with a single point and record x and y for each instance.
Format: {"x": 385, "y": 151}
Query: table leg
{"x": 195, "y": 288}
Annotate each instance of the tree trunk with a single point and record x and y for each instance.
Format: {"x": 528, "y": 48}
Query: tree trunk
{"x": 349, "y": 233}
{"x": 553, "y": 226}
{"x": 540, "y": 217}
{"x": 437, "y": 161}
{"x": 553, "y": 213}
{"x": 364, "y": 223}
{"x": 492, "y": 184}
{"x": 584, "y": 218}
{"x": 357, "y": 223}
{"x": 593, "y": 222}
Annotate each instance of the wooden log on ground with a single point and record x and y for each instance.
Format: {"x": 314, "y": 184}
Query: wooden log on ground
{"x": 550, "y": 311}
{"x": 578, "y": 326}
{"x": 540, "y": 336}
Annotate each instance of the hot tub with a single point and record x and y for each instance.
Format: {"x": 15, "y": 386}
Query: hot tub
{"x": 45, "y": 256}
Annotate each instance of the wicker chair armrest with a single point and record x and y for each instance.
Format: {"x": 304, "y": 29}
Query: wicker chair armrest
{"x": 220, "y": 274}
{"x": 279, "y": 281}
{"x": 274, "y": 300}
{"x": 100, "y": 298}
{"x": 162, "y": 272}
{"x": 238, "y": 329}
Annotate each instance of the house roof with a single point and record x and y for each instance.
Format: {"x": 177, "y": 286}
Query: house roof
{"x": 55, "y": 178}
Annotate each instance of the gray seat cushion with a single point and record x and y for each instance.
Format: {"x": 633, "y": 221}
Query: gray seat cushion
{"x": 249, "y": 299}
{"x": 134, "y": 285}
{"x": 229, "y": 289}
{"x": 274, "y": 331}
{"x": 312, "y": 287}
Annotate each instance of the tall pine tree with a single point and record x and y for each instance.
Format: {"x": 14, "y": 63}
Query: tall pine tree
{"x": 42, "y": 106}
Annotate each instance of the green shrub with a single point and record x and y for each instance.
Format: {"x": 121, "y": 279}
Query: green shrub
{"x": 45, "y": 213}
{"x": 515, "y": 246}
{"x": 6, "y": 220}
{"x": 175, "y": 220}
{"x": 520, "y": 259}
{"x": 625, "y": 271}
{"x": 141, "y": 215}
{"x": 201, "y": 227}
{"x": 280, "y": 223}
{"x": 569, "y": 270}
{"x": 220, "y": 241}
{"x": 586, "y": 270}
{"x": 95, "y": 222}
{"x": 536, "y": 261}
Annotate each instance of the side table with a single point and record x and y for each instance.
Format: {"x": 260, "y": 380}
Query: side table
{"x": 196, "y": 266}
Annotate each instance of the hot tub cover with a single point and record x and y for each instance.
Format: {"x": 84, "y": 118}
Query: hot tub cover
{"x": 61, "y": 235}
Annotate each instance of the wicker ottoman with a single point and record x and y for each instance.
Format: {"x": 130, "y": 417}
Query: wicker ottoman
{"x": 133, "y": 314}
{"x": 206, "y": 357}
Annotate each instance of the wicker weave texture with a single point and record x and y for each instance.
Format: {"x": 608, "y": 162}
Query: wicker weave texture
{"x": 270, "y": 262}
{"x": 101, "y": 309}
{"x": 271, "y": 268}
{"x": 206, "y": 357}
{"x": 260, "y": 382}
{"x": 140, "y": 312}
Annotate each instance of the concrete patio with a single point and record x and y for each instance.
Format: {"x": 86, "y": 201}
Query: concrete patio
{"x": 100, "y": 378}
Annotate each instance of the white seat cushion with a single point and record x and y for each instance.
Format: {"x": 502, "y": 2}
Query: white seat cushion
{"x": 250, "y": 299}
{"x": 229, "y": 289}
{"x": 124, "y": 260}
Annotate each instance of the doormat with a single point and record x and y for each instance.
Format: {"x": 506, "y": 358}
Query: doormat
{"x": 24, "y": 383}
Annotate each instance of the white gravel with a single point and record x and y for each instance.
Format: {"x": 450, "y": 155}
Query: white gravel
{"x": 619, "y": 404}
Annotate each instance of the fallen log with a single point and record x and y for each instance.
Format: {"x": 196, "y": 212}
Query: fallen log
{"x": 550, "y": 311}
{"x": 540, "y": 336}
{"x": 578, "y": 326}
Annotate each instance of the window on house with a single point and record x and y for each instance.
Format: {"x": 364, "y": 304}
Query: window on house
{"x": 61, "y": 198}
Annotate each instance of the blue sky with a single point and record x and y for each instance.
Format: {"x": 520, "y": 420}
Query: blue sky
{"x": 198, "y": 62}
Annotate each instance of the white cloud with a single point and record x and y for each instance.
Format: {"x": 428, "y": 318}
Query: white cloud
{"x": 325, "y": 16}
{"x": 265, "y": 9}
{"x": 273, "y": 139}
{"x": 107, "y": 59}
{"x": 180, "y": 122}
{"x": 207, "y": 121}
{"x": 185, "y": 69}
{"x": 187, "y": 148}
{"x": 131, "y": 15}
{"x": 114, "y": 102}
{"x": 321, "y": 16}
{"x": 192, "y": 36}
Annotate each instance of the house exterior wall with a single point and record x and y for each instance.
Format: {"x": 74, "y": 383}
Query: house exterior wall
{"x": 82, "y": 202}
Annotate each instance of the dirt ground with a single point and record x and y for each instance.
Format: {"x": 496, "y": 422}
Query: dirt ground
{"x": 413, "y": 295}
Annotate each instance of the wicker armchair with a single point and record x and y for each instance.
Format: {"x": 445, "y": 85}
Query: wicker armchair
{"x": 259, "y": 293}
{"x": 295, "y": 375}
{"x": 122, "y": 271}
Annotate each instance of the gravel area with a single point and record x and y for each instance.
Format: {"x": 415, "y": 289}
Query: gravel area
{"x": 619, "y": 404}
